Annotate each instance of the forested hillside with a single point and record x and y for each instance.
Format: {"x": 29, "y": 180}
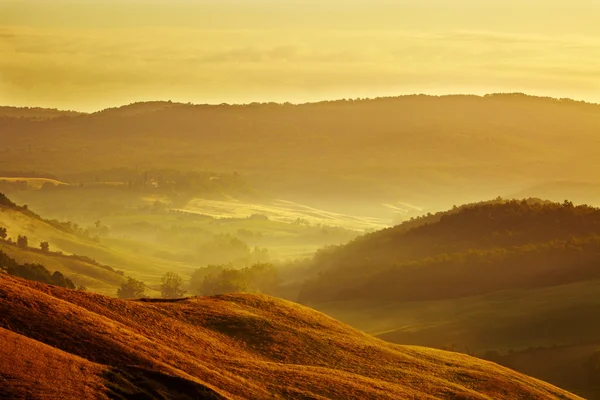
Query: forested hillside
{"x": 473, "y": 250}
{"x": 388, "y": 148}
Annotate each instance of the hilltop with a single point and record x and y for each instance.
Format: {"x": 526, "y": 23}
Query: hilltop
{"x": 36, "y": 113}
{"x": 70, "y": 344}
{"x": 424, "y": 150}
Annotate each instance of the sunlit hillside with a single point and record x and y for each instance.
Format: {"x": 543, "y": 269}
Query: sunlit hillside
{"x": 69, "y": 344}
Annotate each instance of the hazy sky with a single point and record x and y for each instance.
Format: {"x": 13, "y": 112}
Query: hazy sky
{"x": 92, "y": 54}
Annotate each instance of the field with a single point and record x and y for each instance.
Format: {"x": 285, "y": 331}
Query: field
{"x": 284, "y": 211}
{"x": 225, "y": 347}
{"x": 560, "y": 322}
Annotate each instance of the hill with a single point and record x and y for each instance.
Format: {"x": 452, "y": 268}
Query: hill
{"x": 424, "y": 150}
{"x": 89, "y": 260}
{"x": 35, "y": 113}
{"x": 81, "y": 270}
{"x": 69, "y": 344}
{"x": 474, "y": 250}
{"x": 501, "y": 277}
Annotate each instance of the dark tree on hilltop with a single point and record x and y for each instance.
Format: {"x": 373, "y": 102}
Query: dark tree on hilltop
{"x": 171, "y": 286}
{"x": 45, "y": 246}
{"x": 59, "y": 279}
{"x": 22, "y": 242}
{"x": 3, "y": 233}
{"x": 132, "y": 289}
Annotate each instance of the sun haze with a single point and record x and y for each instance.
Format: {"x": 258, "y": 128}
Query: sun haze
{"x": 88, "y": 55}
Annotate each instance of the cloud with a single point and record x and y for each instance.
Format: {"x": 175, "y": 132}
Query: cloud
{"x": 90, "y": 68}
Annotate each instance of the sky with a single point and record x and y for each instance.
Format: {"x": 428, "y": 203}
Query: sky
{"x": 88, "y": 55}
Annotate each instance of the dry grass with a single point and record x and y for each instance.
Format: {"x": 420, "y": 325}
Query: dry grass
{"x": 236, "y": 346}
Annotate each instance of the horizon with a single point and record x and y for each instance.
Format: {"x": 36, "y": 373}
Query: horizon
{"x": 317, "y": 101}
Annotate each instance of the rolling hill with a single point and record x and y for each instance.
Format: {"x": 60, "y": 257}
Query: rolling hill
{"x": 67, "y": 239}
{"x": 58, "y": 343}
{"x": 424, "y": 150}
{"x": 477, "y": 249}
{"x": 513, "y": 278}
{"x": 81, "y": 270}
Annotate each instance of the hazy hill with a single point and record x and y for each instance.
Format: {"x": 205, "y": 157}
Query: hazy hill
{"x": 35, "y": 113}
{"x": 472, "y": 250}
{"x": 515, "y": 278}
{"x": 82, "y": 271}
{"x": 429, "y": 151}
{"x": 69, "y": 344}
{"x": 70, "y": 239}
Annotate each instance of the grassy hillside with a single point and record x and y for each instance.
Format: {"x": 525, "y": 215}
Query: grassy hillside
{"x": 68, "y": 239}
{"x": 367, "y": 151}
{"x": 236, "y": 346}
{"x": 95, "y": 277}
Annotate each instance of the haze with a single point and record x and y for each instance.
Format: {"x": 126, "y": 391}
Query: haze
{"x": 90, "y": 55}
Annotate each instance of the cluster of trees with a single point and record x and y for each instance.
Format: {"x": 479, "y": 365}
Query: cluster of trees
{"x": 171, "y": 287}
{"x": 210, "y": 280}
{"x": 34, "y": 272}
{"x": 472, "y": 250}
{"x": 220, "y": 279}
{"x": 227, "y": 248}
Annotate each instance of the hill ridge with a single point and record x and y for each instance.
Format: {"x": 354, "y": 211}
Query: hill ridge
{"x": 169, "y": 103}
{"x": 237, "y": 346}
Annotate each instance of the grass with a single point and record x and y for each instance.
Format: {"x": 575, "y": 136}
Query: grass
{"x": 501, "y": 320}
{"x": 140, "y": 266}
{"x": 82, "y": 273}
{"x": 236, "y": 347}
{"x": 283, "y": 211}
{"x": 562, "y": 320}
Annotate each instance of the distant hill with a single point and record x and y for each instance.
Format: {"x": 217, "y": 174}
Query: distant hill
{"x": 82, "y": 271}
{"x": 57, "y": 343}
{"x": 500, "y": 277}
{"x": 35, "y": 113}
{"x": 137, "y": 109}
{"x": 424, "y": 150}
{"x": 472, "y": 250}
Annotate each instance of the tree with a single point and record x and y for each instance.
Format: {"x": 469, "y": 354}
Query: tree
{"x": 59, "y": 279}
{"x": 228, "y": 281}
{"x": 22, "y": 241}
{"x": 45, "y": 246}
{"x": 3, "y": 233}
{"x": 199, "y": 275}
{"x": 132, "y": 289}
{"x": 171, "y": 286}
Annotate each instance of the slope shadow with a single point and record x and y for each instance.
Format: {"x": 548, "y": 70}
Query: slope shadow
{"x": 136, "y": 383}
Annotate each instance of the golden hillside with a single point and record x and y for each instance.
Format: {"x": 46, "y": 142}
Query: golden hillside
{"x": 58, "y": 343}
